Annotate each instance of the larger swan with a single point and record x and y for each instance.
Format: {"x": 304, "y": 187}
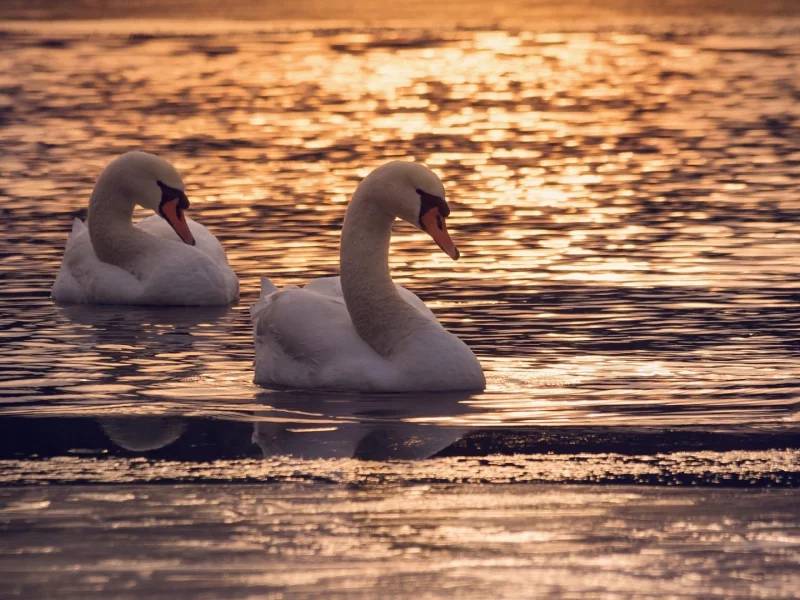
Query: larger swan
{"x": 360, "y": 331}
{"x": 165, "y": 259}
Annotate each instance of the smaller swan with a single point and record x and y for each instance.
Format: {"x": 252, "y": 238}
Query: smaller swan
{"x": 165, "y": 259}
{"x": 360, "y": 331}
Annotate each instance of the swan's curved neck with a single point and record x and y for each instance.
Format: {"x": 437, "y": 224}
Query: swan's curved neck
{"x": 381, "y": 317}
{"x": 114, "y": 238}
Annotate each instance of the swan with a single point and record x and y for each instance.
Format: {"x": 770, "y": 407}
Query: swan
{"x": 165, "y": 259}
{"x": 360, "y": 331}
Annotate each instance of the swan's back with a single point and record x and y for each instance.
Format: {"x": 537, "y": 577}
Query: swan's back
{"x": 332, "y": 286}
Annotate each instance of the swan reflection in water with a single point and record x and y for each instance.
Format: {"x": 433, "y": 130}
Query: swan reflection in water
{"x": 316, "y": 425}
{"x": 309, "y": 425}
{"x": 121, "y": 321}
{"x": 143, "y": 434}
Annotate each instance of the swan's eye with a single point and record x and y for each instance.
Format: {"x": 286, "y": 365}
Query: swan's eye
{"x": 170, "y": 193}
{"x": 428, "y": 202}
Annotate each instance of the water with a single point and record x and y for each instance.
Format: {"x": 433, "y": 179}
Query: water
{"x": 624, "y": 197}
{"x": 410, "y": 541}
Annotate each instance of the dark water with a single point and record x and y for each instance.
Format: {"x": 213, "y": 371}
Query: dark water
{"x": 625, "y": 199}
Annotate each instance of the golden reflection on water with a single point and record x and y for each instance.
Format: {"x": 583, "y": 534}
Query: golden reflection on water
{"x": 356, "y": 540}
{"x": 623, "y": 201}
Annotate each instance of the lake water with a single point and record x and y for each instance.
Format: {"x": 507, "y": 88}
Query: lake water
{"x": 625, "y": 200}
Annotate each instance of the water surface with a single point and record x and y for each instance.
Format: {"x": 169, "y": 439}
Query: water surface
{"x": 625, "y": 200}
{"x": 625, "y": 204}
{"x": 408, "y": 541}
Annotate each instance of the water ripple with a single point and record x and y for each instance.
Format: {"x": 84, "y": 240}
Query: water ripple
{"x": 623, "y": 199}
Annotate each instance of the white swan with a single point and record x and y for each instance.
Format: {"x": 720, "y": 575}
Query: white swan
{"x": 361, "y": 332}
{"x": 165, "y": 259}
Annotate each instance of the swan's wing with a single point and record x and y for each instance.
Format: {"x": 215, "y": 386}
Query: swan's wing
{"x": 204, "y": 239}
{"x": 304, "y": 339}
{"x": 414, "y": 301}
{"x": 157, "y": 226}
{"x": 332, "y": 286}
{"x": 84, "y": 278}
{"x": 305, "y": 325}
{"x": 188, "y": 278}
{"x": 210, "y": 246}
{"x": 327, "y": 286}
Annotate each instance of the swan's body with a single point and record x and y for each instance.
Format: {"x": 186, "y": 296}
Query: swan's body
{"x": 362, "y": 332}
{"x": 191, "y": 276}
{"x": 113, "y": 261}
{"x": 305, "y": 338}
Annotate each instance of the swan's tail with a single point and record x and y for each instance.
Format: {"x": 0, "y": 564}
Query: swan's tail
{"x": 77, "y": 228}
{"x": 267, "y": 289}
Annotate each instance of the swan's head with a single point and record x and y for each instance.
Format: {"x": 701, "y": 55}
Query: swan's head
{"x": 151, "y": 182}
{"x": 412, "y": 192}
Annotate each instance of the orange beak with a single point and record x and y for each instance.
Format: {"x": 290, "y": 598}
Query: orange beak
{"x": 173, "y": 213}
{"x": 434, "y": 225}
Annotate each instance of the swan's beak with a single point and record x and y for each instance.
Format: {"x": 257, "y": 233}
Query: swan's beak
{"x": 172, "y": 211}
{"x": 434, "y": 225}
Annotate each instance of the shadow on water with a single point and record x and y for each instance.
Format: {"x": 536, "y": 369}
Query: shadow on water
{"x": 367, "y": 427}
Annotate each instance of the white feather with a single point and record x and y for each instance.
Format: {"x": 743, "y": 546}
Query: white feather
{"x": 188, "y": 276}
